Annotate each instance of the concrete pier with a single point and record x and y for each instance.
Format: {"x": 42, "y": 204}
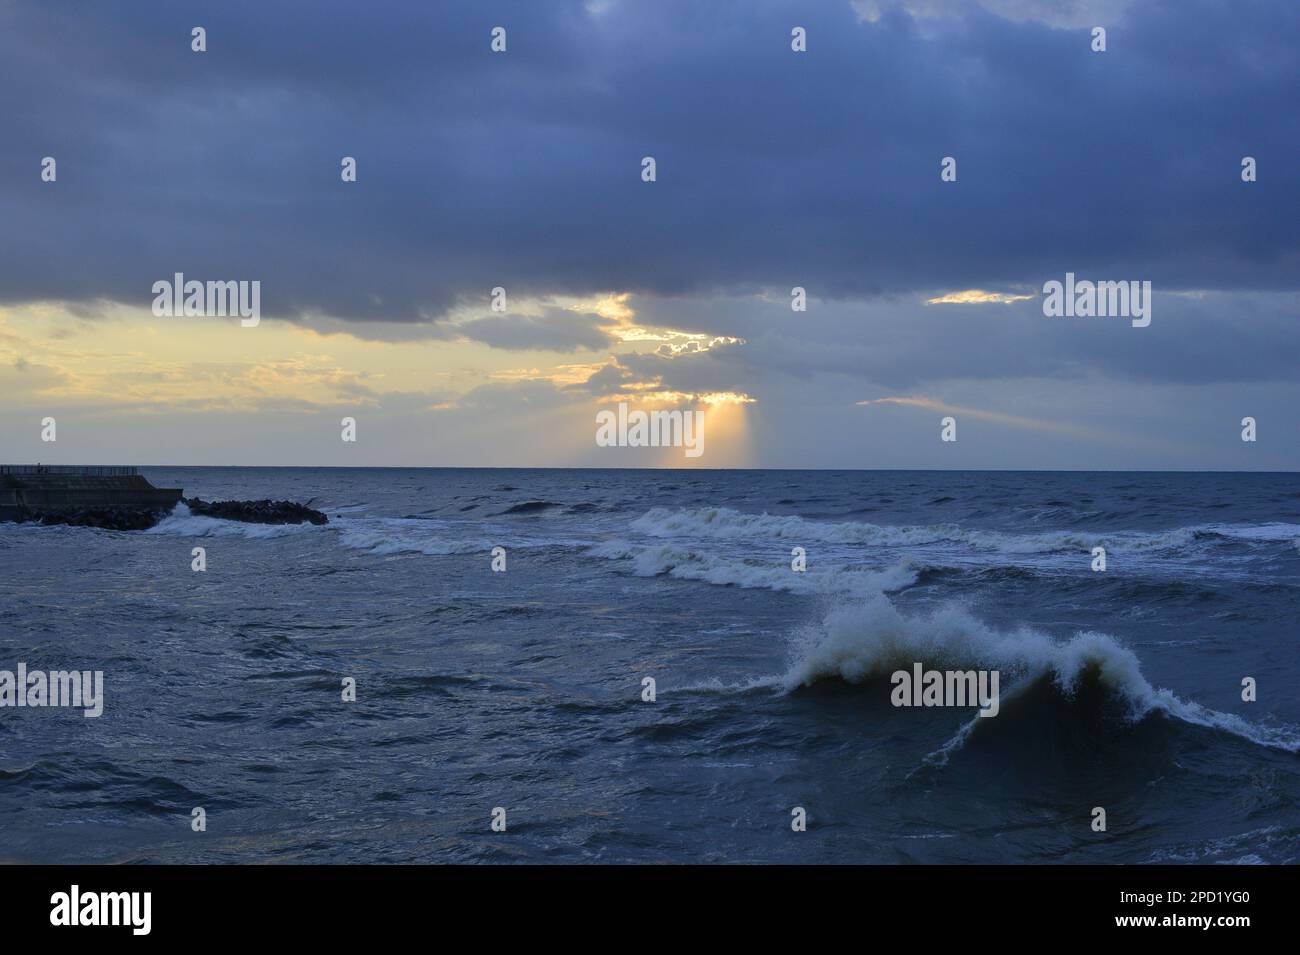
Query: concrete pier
{"x": 56, "y": 487}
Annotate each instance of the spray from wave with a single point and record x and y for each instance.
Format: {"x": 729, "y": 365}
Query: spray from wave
{"x": 182, "y": 522}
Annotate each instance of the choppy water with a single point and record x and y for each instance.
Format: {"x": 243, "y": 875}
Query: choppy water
{"x": 523, "y": 690}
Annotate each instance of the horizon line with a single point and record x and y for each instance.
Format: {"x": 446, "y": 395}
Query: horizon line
{"x": 540, "y": 467}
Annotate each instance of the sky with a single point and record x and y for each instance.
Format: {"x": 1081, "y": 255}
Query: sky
{"x": 774, "y": 169}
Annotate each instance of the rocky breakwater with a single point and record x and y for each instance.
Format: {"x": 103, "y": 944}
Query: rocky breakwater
{"x": 257, "y": 512}
{"x": 119, "y": 498}
{"x": 142, "y": 518}
{"x": 109, "y": 518}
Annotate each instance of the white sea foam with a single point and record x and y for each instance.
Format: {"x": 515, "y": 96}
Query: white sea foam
{"x": 725, "y": 523}
{"x": 686, "y": 563}
{"x": 384, "y": 536}
{"x": 1226, "y": 845}
{"x": 1257, "y": 532}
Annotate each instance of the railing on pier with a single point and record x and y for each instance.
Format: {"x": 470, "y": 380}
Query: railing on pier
{"x": 93, "y": 470}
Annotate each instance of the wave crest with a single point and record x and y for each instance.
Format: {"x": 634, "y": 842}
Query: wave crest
{"x": 870, "y": 640}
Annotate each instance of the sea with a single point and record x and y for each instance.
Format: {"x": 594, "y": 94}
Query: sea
{"x": 661, "y": 666}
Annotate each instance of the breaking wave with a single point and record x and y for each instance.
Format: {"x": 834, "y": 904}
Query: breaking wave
{"x": 722, "y": 522}
{"x": 685, "y": 563}
{"x": 868, "y": 641}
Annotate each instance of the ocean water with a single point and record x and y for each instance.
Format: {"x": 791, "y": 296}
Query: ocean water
{"x": 523, "y": 689}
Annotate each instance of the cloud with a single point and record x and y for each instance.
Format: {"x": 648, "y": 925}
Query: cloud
{"x": 819, "y": 169}
{"x": 1023, "y": 422}
{"x": 975, "y": 296}
{"x": 556, "y": 330}
{"x": 1062, "y": 14}
{"x": 775, "y": 170}
{"x": 901, "y": 343}
{"x": 23, "y": 379}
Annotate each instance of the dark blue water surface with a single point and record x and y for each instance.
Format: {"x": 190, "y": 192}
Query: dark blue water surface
{"x": 1121, "y": 689}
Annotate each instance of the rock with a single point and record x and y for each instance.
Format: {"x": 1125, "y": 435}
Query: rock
{"x": 257, "y": 512}
{"x": 109, "y": 518}
{"x": 142, "y": 518}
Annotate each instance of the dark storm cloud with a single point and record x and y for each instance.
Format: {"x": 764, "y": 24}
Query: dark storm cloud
{"x": 522, "y": 169}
